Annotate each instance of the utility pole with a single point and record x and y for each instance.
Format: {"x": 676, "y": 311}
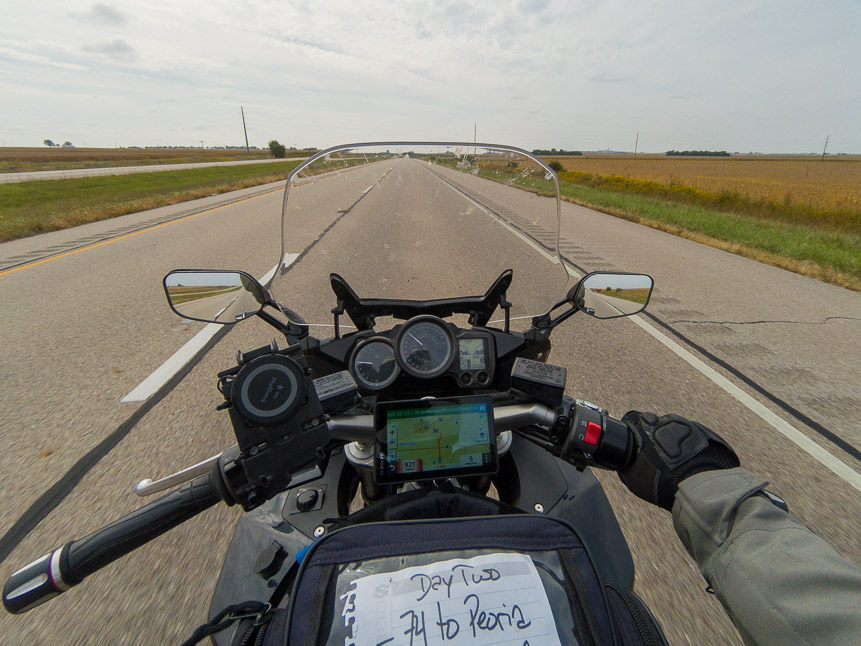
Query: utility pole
{"x": 201, "y": 143}
{"x": 636, "y": 143}
{"x": 244, "y": 129}
{"x": 827, "y": 137}
{"x": 474, "y": 137}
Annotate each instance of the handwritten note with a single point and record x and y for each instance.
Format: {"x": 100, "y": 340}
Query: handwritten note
{"x": 492, "y": 599}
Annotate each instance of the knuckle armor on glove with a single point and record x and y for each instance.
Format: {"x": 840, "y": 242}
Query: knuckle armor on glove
{"x": 670, "y": 449}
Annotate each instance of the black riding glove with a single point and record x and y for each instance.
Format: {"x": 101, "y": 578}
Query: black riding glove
{"x": 670, "y": 449}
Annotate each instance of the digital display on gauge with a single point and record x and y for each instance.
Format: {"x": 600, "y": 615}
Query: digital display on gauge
{"x": 473, "y": 354}
{"x": 434, "y": 439}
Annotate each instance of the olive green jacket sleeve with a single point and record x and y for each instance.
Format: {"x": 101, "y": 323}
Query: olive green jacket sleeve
{"x": 779, "y": 582}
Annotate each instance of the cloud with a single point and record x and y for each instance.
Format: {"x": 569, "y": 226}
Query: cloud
{"x": 532, "y": 6}
{"x": 104, "y": 14}
{"x": 604, "y": 77}
{"x": 117, "y": 49}
{"x": 423, "y": 34}
{"x": 38, "y": 59}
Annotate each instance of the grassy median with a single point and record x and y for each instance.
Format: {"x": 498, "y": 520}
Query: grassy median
{"x": 28, "y": 208}
{"x": 16, "y": 160}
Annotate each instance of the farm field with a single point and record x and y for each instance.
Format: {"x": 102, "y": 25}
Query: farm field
{"x": 818, "y": 237}
{"x": 17, "y": 160}
{"x": 804, "y": 180}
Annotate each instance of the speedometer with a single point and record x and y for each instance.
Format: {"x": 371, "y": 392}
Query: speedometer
{"x": 425, "y": 347}
{"x": 374, "y": 365}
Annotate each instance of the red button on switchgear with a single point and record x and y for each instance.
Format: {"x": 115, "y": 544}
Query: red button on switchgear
{"x": 593, "y": 432}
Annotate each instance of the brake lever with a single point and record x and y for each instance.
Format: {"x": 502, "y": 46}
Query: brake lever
{"x": 148, "y": 487}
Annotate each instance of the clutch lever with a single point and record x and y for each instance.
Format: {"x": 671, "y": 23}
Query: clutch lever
{"x": 148, "y": 487}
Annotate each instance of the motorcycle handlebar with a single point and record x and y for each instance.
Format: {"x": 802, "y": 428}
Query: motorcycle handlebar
{"x": 63, "y": 568}
{"x": 360, "y": 428}
{"x": 588, "y": 430}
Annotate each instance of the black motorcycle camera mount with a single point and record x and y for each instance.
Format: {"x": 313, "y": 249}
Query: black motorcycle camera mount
{"x": 279, "y": 423}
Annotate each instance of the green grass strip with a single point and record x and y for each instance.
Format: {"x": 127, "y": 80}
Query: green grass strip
{"x": 840, "y": 251}
{"x": 28, "y": 208}
{"x": 811, "y": 249}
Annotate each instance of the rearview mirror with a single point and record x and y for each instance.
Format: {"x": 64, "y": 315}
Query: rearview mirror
{"x": 214, "y": 296}
{"x": 607, "y": 295}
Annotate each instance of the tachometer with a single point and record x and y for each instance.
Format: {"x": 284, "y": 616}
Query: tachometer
{"x": 374, "y": 365}
{"x": 425, "y": 347}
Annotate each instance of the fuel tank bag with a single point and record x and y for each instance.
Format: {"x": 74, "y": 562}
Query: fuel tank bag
{"x": 482, "y": 580}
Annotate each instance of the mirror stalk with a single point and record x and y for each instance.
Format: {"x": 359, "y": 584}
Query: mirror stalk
{"x": 547, "y": 322}
{"x": 293, "y": 332}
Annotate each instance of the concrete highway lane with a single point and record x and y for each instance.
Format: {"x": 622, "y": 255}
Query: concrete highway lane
{"x": 83, "y": 330}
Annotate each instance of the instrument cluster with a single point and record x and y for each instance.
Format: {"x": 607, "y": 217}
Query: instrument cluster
{"x": 425, "y": 347}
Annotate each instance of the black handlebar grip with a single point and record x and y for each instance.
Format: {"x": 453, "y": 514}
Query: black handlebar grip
{"x": 617, "y": 445}
{"x": 56, "y": 572}
{"x": 593, "y": 432}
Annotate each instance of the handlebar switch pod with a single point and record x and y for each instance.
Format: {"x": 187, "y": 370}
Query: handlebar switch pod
{"x": 596, "y": 437}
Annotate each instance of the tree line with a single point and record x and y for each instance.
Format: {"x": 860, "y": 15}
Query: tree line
{"x": 697, "y": 153}
{"x": 553, "y": 151}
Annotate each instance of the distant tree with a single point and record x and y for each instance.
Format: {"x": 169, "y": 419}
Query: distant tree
{"x": 553, "y": 151}
{"x": 277, "y": 149}
{"x": 49, "y": 143}
{"x": 556, "y": 165}
{"x": 68, "y": 144}
{"x": 697, "y": 153}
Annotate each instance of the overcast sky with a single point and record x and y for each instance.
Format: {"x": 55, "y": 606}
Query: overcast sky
{"x": 737, "y": 75}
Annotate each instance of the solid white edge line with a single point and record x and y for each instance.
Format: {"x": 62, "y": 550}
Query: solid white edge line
{"x": 833, "y": 464}
{"x": 169, "y": 368}
{"x": 165, "y": 372}
{"x": 826, "y": 459}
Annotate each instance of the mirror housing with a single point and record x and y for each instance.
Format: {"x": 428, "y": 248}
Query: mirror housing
{"x": 609, "y": 295}
{"x": 214, "y": 295}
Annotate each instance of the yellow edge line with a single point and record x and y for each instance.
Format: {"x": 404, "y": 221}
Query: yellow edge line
{"x": 134, "y": 233}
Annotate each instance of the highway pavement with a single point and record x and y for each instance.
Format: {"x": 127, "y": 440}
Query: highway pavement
{"x": 766, "y": 357}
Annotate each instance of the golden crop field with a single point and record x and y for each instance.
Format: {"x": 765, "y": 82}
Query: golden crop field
{"x": 833, "y": 185}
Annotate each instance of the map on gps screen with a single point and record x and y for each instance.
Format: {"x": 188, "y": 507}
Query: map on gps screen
{"x": 440, "y": 438}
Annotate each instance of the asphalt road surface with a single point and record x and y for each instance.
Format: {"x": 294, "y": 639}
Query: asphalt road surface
{"x": 606, "y": 306}
{"x": 766, "y": 357}
{"x": 223, "y": 308}
{"x": 123, "y": 170}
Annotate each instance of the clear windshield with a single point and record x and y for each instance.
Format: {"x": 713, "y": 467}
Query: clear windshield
{"x": 420, "y": 221}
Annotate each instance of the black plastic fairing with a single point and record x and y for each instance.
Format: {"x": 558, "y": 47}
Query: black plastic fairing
{"x": 363, "y": 311}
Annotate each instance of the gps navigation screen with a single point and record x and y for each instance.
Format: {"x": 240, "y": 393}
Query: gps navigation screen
{"x": 435, "y": 439}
